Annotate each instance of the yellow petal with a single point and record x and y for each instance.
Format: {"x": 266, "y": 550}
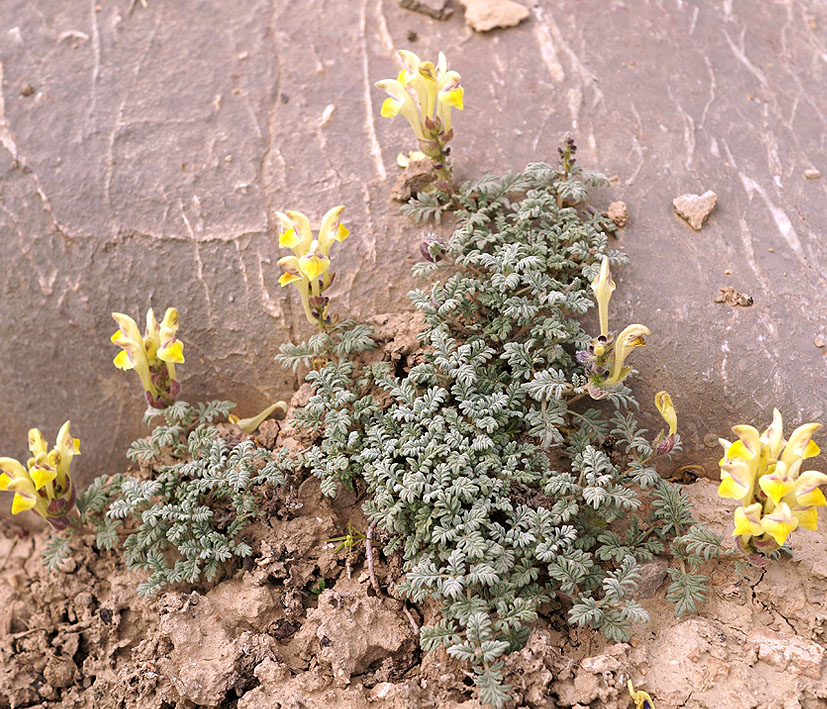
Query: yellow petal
{"x": 37, "y": 444}
{"x": 313, "y": 266}
{"x": 390, "y": 107}
{"x": 749, "y": 437}
{"x": 663, "y": 402}
{"x": 341, "y": 233}
{"x": 603, "y": 287}
{"x": 799, "y": 443}
{"x": 775, "y": 488}
{"x": 807, "y": 518}
{"x": 42, "y": 476}
{"x": 748, "y": 521}
{"x": 122, "y": 361}
{"x": 779, "y": 523}
{"x": 773, "y": 436}
{"x": 732, "y": 489}
{"x": 22, "y": 503}
{"x": 453, "y": 98}
{"x": 289, "y": 238}
{"x": 739, "y": 450}
{"x": 172, "y": 352}
{"x": 811, "y": 450}
{"x": 13, "y": 471}
{"x": 288, "y": 277}
{"x": 813, "y": 498}
{"x": 170, "y": 321}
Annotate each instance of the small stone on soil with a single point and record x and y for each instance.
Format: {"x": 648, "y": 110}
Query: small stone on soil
{"x": 438, "y": 9}
{"x": 619, "y": 213}
{"x": 812, "y": 174}
{"x": 732, "y": 297}
{"x": 694, "y": 209}
{"x": 486, "y": 15}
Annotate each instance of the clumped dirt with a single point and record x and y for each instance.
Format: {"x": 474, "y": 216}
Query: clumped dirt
{"x": 268, "y": 635}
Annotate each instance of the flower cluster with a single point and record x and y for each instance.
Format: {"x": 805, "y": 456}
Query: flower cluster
{"x": 424, "y": 95}
{"x": 604, "y": 359}
{"x": 763, "y": 472}
{"x": 309, "y": 267}
{"x": 152, "y": 356}
{"x": 44, "y": 485}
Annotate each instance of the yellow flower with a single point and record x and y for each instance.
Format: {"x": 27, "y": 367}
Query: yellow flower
{"x": 779, "y": 523}
{"x": 665, "y": 444}
{"x": 309, "y": 266}
{"x": 603, "y": 287}
{"x": 152, "y": 356}
{"x": 44, "y": 486}
{"x": 748, "y": 520}
{"x": 630, "y": 337}
{"x": 425, "y": 95}
{"x": 763, "y": 472}
{"x": 663, "y": 402}
{"x": 605, "y": 357}
{"x": 641, "y": 699}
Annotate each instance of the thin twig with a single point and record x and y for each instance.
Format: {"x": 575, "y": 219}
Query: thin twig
{"x": 369, "y": 555}
{"x": 411, "y": 620}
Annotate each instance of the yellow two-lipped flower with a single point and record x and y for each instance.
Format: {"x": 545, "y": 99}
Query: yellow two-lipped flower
{"x": 44, "y": 484}
{"x": 308, "y": 269}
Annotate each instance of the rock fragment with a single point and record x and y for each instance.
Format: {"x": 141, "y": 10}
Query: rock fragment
{"x": 486, "y": 15}
{"x": 438, "y": 9}
{"x": 812, "y": 174}
{"x": 694, "y": 208}
{"x": 619, "y": 213}
{"x": 732, "y": 297}
{"x": 789, "y": 653}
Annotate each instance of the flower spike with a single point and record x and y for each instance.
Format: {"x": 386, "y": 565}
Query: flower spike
{"x": 152, "y": 356}
{"x": 308, "y": 269}
{"x": 44, "y": 485}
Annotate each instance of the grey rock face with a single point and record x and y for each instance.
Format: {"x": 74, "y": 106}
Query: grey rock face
{"x": 142, "y": 156}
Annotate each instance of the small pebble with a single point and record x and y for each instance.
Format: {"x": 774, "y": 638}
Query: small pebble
{"x": 812, "y": 174}
{"x": 727, "y": 272}
{"x": 819, "y": 342}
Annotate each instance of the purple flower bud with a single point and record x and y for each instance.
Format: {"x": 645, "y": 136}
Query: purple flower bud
{"x": 425, "y": 247}
{"x": 666, "y": 445}
{"x": 583, "y": 356}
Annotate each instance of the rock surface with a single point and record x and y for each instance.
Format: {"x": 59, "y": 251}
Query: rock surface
{"x": 439, "y": 9}
{"x": 117, "y": 193}
{"x": 487, "y": 15}
{"x": 695, "y": 208}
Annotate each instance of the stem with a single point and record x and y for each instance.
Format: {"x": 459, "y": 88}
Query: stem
{"x": 369, "y": 555}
